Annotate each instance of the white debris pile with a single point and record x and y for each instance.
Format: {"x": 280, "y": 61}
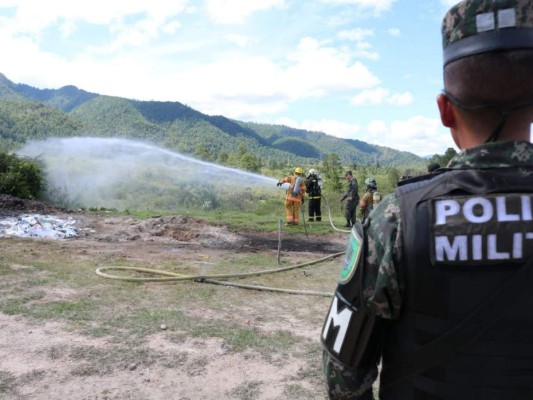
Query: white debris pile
{"x": 36, "y": 225}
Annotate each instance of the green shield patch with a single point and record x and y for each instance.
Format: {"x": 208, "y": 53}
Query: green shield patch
{"x": 351, "y": 259}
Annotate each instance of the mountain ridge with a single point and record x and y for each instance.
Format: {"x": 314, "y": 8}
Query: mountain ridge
{"x": 173, "y": 125}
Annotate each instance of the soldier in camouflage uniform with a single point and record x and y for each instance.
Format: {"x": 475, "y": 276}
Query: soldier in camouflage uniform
{"x": 437, "y": 287}
{"x": 352, "y": 199}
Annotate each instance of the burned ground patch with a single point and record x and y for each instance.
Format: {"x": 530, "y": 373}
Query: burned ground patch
{"x": 296, "y": 242}
{"x": 10, "y": 206}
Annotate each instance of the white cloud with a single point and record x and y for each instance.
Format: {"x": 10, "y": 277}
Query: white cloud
{"x": 236, "y": 11}
{"x": 358, "y": 35}
{"x": 361, "y": 52}
{"x": 67, "y": 29}
{"x": 237, "y": 86}
{"x": 449, "y": 3}
{"x": 380, "y": 96}
{"x": 400, "y": 99}
{"x": 171, "y": 27}
{"x": 317, "y": 70}
{"x": 33, "y": 16}
{"x": 394, "y": 32}
{"x": 341, "y": 129}
{"x": 370, "y": 97}
{"x": 419, "y": 135}
{"x": 377, "y": 6}
{"x": 133, "y": 65}
{"x": 239, "y": 40}
{"x": 25, "y": 55}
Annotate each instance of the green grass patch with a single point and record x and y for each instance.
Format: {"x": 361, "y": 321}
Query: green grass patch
{"x": 19, "y": 305}
{"x": 146, "y": 322}
{"x": 81, "y": 310}
{"x": 28, "y": 305}
{"x": 313, "y": 369}
{"x": 94, "y": 361}
{"x": 244, "y": 337}
{"x": 297, "y": 391}
{"x": 248, "y": 390}
{"x": 7, "y": 383}
{"x": 264, "y": 216}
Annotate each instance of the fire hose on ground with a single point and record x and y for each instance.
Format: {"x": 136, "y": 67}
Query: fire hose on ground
{"x": 331, "y": 219}
{"x": 217, "y": 279}
{"x": 220, "y": 279}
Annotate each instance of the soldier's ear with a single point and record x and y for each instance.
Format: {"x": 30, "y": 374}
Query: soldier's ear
{"x": 446, "y": 110}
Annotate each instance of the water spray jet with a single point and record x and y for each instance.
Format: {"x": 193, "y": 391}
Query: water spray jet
{"x": 127, "y": 174}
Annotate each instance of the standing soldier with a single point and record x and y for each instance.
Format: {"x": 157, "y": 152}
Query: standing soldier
{"x": 314, "y": 191}
{"x": 352, "y": 199}
{"x": 294, "y": 196}
{"x": 370, "y": 198}
{"x": 437, "y": 288}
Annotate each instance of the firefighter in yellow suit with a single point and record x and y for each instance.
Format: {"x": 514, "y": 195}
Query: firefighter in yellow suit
{"x": 295, "y": 195}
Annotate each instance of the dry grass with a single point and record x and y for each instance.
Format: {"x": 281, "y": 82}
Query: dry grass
{"x": 76, "y": 335}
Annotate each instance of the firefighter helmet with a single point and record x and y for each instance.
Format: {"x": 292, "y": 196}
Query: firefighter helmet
{"x": 371, "y": 182}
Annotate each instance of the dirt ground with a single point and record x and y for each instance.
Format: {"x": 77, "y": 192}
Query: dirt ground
{"x": 34, "y": 363}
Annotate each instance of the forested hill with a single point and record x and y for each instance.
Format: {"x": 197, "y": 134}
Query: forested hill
{"x": 28, "y": 113}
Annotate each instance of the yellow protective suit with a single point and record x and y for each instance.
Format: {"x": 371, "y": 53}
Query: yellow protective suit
{"x": 293, "y": 202}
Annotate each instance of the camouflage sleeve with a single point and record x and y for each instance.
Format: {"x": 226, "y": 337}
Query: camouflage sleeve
{"x": 354, "y": 189}
{"x": 347, "y": 194}
{"x": 382, "y": 294}
{"x": 382, "y": 289}
{"x": 347, "y": 384}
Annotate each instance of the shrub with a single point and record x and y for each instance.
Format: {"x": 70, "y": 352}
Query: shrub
{"x": 20, "y": 177}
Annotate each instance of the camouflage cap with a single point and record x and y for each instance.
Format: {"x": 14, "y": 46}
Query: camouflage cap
{"x": 480, "y": 26}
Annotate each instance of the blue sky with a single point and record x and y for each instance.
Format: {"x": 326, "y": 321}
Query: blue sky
{"x": 360, "y": 69}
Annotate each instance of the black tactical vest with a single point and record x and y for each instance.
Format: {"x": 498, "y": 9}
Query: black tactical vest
{"x": 313, "y": 187}
{"x": 465, "y": 232}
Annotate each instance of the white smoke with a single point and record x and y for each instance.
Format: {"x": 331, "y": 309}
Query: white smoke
{"x": 121, "y": 173}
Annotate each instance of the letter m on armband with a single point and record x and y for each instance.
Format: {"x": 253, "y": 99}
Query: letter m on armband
{"x": 336, "y": 326}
